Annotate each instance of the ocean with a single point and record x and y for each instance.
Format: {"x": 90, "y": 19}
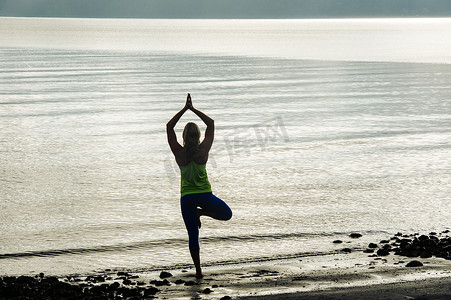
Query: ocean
{"x": 323, "y": 128}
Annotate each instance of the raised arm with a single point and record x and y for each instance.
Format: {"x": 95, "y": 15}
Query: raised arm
{"x": 210, "y": 131}
{"x": 172, "y": 137}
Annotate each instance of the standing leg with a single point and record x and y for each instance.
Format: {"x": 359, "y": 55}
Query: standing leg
{"x": 189, "y": 213}
{"x": 196, "y": 259}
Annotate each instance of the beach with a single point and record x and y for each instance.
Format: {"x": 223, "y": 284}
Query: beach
{"x": 341, "y": 276}
{"x": 348, "y": 273}
{"x": 323, "y": 129}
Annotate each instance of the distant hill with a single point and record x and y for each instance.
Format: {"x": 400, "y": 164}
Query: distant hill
{"x": 225, "y": 8}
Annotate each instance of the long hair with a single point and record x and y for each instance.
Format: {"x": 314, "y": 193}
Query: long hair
{"x": 191, "y": 138}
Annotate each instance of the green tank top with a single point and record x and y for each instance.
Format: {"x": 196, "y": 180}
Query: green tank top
{"x": 194, "y": 179}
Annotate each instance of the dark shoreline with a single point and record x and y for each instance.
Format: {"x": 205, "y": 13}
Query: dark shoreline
{"x": 405, "y": 251}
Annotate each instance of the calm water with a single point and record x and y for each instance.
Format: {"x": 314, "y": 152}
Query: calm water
{"x": 323, "y": 128}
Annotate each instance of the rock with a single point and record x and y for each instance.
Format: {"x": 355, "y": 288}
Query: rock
{"x": 97, "y": 290}
{"x": 114, "y": 286}
{"x": 405, "y": 242}
{"x": 190, "y": 283}
{"x": 368, "y": 251}
{"x": 10, "y": 292}
{"x": 207, "y": 291}
{"x": 355, "y": 235}
{"x": 226, "y": 298}
{"x": 127, "y": 293}
{"x": 423, "y": 238}
{"x": 127, "y": 282}
{"x": 414, "y": 264}
{"x": 384, "y": 242}
{"x": 25, "y": 280}
{"x": 396, "y": 250}
{"x": 337, "y": 242}
{"x": 346, "y": 250}
{"x": 397, "y": 242}
{"x": 160, "y": 282}
{"x": 382, "y": 252}
{"x": 372, "y": 245}
{"x": 386, "y": 247}
{"x": 165, "y": 274}
{"x": 50, "y": 280}
{"x": 150, "y": 291}
{"x": 179, "y": 281}
{"x": 95, "y": 279}
{"x": 26, "y": 287}
{"x": 424, "y": 246}
{"x": 123, "y": 274}
{"x": 425, "y": 255}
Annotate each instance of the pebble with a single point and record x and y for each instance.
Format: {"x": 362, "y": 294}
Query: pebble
{"x": 41, "y": 287}
{"x": 414, "y": 264}
{"x": 207, "y": 291}
{"x": 355, "y": 235}
{"x": 160, "y": 282}
{"x": 165, "y": 274}
{"x": 416, "y": 245}
{"x": 382, "y": 252}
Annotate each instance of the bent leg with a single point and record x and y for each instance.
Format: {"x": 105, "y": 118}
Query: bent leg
{"x": 214, "y": 207}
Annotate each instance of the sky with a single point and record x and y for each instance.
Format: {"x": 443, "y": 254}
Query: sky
{"x": 225, "y": 8}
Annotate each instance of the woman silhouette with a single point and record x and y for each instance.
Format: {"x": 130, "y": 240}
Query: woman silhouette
{"x": 197, "y": 198}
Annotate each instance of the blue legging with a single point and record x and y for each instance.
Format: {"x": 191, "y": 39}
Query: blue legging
{"x": 210, "y": 204}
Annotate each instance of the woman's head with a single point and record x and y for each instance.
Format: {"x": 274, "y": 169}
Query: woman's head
{"x": 191, "y": 137}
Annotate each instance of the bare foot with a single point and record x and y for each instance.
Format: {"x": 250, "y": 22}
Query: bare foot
{"x": 199, "y": 275}
{"x": 199, "y": 224}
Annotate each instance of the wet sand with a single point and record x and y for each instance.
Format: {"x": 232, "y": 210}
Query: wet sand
{"x": 404, "y": 267}
{"x": 337, "y": 276}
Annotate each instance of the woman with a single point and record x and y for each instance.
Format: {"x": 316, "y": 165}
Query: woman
{"x": 197, "y": 198}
